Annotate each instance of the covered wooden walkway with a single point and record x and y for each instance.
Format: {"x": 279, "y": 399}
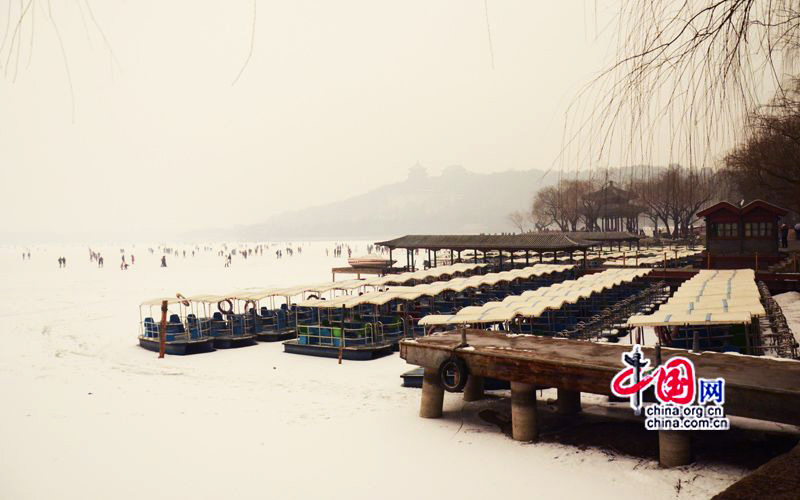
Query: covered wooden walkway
{"x": 532, "y": 244}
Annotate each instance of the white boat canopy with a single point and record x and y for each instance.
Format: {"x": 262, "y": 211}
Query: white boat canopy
{"x": 711, "y": 297}
{"x": 157, "y": 302}
{"x": 434, "y": 289}
{"x": 534, "y": 303}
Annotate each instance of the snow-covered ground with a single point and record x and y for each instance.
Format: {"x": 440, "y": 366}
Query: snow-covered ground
{"x": 86, "y": 413}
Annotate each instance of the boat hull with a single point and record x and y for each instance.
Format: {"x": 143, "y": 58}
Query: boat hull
{"x": 275, "y": 336}
{"x": 231, "y": 341}
{"x": 180, "y": 348}
{"x": 361, "y": 353}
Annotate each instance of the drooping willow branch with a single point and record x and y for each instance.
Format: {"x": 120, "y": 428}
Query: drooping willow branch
{"x": 685, "y": 75}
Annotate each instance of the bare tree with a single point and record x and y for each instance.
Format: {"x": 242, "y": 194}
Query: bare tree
{"x": 687, "y": 70}
{"x": 767, "y": 163}
{"x": 519, "y": 220}
{"x": 673, "y": 197}
{"x": 547, "y": 208}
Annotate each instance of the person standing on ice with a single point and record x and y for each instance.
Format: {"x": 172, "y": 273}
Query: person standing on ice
{"x": 99, "y": 261}
{"x": 64, "y": 261}
{"x": 163, "y": 261}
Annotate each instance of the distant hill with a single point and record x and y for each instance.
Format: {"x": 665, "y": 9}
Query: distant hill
{"x": 457, "y": 201}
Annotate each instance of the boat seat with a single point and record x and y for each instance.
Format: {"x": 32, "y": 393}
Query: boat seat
{"x": 194, "y": 326}
{"x": 237, "y": 323}
{"x": 175, "y": 325}
{"x": 150, "y": 328}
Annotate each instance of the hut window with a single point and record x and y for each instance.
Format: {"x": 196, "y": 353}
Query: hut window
{"x": 726, "y": 229}
{"x": 757, "y": 229}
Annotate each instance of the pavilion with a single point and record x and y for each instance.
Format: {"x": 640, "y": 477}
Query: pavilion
{"x": 615, "y": 210}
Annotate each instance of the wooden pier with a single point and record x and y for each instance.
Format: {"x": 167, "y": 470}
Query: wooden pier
{"x": 755, "y": 387}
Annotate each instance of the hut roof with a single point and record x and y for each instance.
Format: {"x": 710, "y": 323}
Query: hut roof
{"x": 547, "y": 242}
{"x": 724, "y": 205}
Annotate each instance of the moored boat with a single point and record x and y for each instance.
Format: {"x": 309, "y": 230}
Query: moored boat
{"x": 182, "y": 334}
{"x": 226, "y": 327}
{"x": 371, "y": 261}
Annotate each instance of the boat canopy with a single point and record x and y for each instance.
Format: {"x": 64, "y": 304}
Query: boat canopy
{"x": 690, "y": 318}
{"x": 207, "y": 298}
{"x": 711, "y": 297}
{"x": 534, "y": 303}
{"x": 433, "y": 272}
{"x": 157, "y": 302}
{"x": 435, "y": 288}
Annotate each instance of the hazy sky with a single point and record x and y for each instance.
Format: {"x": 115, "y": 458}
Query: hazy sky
{"x": 338, "y": 97}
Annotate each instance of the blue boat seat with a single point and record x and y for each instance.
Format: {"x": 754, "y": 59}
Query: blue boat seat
{"x": 194, "y": 326}
{"x": 175, "y": 325}
{"x": 150, "y": 328}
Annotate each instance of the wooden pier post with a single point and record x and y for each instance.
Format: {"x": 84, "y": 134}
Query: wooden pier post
{"x": 432, "y": 394}
{"x": 473, "y": 391}
{"x": 568, "y": 402}
{"x": 162, "y": 340}
{"x": 523, "y": 412}
{"x": 674, "y": 448}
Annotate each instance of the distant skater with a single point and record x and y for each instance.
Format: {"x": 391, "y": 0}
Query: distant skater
{"x": 60, "y": 263}
{"x": 133, "y": 260}
{"x": 163, "y": 261}
{"x": 100, "y": 261}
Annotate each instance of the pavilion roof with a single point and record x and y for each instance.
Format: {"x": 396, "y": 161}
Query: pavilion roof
{"x": 542, "y": 242}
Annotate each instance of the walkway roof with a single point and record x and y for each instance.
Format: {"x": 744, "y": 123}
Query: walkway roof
{"x": 537, "y": 242}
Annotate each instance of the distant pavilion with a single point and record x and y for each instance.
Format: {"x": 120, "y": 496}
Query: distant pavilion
{"x": 615, "y": 209}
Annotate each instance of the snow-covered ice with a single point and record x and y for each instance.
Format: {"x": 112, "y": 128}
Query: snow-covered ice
{"x": 87, "y": 413}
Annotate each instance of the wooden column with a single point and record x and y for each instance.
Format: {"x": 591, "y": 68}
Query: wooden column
{"x": 432, "y": 394}
{"x": 523, "y": 412}
{"x": 473, "y": 391}
{"x": 674, "y": 448}
{"x": 568, "y": 402}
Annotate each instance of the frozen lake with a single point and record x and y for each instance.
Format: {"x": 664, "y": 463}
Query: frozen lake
{"x": 87, "y": 413}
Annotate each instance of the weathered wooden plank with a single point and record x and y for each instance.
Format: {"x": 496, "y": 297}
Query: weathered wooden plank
{"x": 756, "y": 387}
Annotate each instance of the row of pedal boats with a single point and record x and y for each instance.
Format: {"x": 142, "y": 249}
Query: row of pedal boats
{"x": 205, "y": 323}
{"x": 202, "y": 324}
{"x": 342, "y": 325}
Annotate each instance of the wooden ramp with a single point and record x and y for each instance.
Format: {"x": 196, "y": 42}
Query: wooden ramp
{"x": 755, "y": 387}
